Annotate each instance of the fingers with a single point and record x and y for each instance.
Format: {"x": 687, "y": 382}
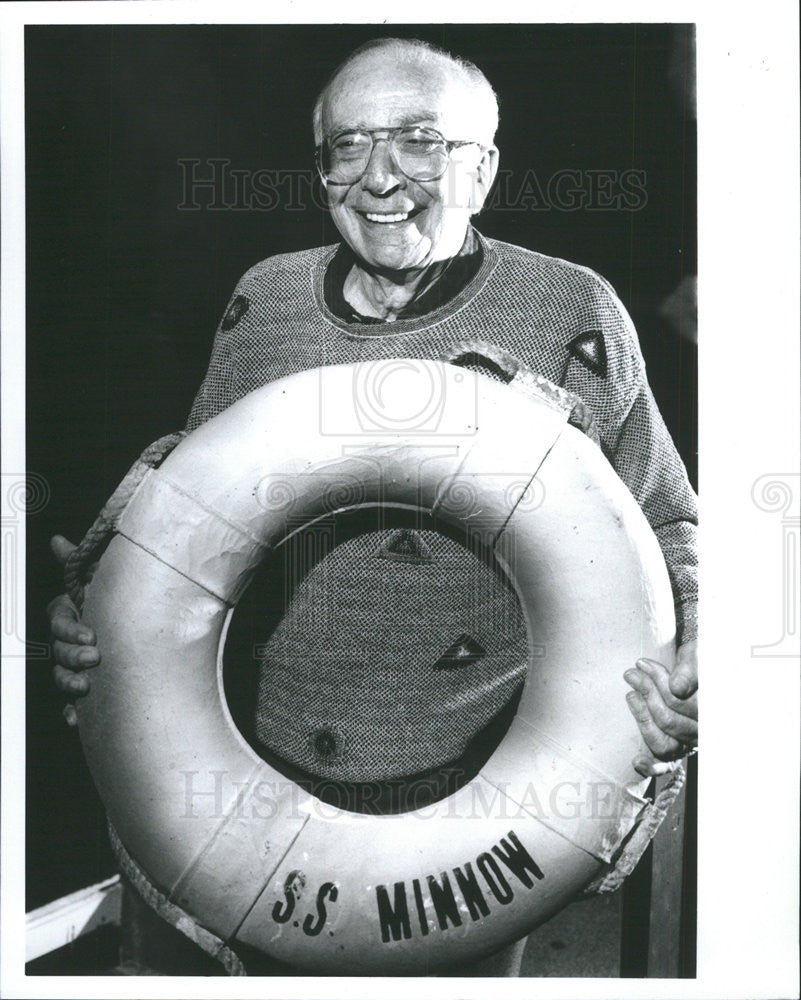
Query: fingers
{"x": 668, "y": 723}
{"x": 650, "y": 768}
{"x": 74, "y": 657}
{"x": 74, "y": 649}
{"x": 668, "y": 715}
{"x": 674, "y": 716}
{"x": 684, "y": 676}
{"x": 65, "y": 623}
{"x": 61, "y": 548}
{"x": 663, "y": 746}
{"x": 683, "y": 682}
{"x": 69, "y": 682}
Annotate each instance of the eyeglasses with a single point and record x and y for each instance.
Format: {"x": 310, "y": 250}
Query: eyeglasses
{"x": 419, "y": 153}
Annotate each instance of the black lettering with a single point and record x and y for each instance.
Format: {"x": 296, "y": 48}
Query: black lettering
{"x": 421, "y": 910}
{"x": 471, "y": 890}
{"x": 444, "y": 901}
{"x": 394, "y": 919}
{"x": 311, "y": 928}
{"x": 293, "y": 886}
{"x": 517, "y": 859}
{"x": 498, "y": 885}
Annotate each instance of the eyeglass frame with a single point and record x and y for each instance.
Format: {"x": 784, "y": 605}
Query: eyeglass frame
{"x": 450, "y": 145}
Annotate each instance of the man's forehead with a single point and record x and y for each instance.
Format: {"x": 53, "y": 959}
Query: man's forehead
{"x": 389, "y": 92}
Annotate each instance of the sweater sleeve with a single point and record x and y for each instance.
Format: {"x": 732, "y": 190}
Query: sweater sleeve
{"x": 219, "y": 387}
{"x": 646, "y": 460}
{"x": 636, "y": 440}
{"x": 216, "y": 390}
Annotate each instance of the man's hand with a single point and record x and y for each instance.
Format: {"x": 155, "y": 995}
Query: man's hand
{"x": 665, "y": 705}
{"x": 73, "y": 642}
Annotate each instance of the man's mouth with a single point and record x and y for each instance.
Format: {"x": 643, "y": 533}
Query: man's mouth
{"x": 386, "y": 218}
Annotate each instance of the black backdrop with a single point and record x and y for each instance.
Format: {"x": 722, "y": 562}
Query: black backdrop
{"x": 126, "y": 286}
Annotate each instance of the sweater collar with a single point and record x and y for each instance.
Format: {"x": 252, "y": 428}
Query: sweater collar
{"x": 455, "y": 276}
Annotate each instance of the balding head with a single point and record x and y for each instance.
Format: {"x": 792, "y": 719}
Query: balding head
{"x": 411, "y": 57}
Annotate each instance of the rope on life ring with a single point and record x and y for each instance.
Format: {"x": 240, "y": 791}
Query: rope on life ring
{"x": 77, "y": 572}
{"x": 243, "y": 850}
{"x": 173, "y": 914}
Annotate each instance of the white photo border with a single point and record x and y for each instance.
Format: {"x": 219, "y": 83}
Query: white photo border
{"x": 748, "y": 199}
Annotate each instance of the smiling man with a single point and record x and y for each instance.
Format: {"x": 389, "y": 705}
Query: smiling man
{"x": 403, "y": 619}
{"x": 407, "y": 156}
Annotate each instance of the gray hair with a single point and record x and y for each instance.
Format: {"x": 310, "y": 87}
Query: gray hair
{"x": 414, "y": 49}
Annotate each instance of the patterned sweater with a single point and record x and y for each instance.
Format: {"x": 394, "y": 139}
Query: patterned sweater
{"x": 352, "y": 685}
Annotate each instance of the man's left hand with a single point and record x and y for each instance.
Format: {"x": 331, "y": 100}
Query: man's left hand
{"x": 665, "y": 705}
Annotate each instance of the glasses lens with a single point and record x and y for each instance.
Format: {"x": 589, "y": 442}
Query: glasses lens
{"x": 420, "y": 153}
{"x": 344, "y": 158}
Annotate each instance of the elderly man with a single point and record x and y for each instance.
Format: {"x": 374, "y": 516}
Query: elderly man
{"x": 405, "y": 149}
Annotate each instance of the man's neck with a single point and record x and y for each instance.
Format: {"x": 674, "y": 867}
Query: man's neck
{"x": 384, "y": 295}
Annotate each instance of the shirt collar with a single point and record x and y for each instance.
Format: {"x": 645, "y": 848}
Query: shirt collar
{"x": 459, "y": 271}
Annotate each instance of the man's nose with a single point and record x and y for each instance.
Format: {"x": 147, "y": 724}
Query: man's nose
{"x": 382, "y": 174}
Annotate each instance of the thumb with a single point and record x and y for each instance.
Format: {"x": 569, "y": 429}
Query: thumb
{"x": 684, "y": 676}
{"x": 683, "y": 681}
{"x": 61, "y": 548}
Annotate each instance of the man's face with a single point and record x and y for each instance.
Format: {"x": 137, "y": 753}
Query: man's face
{"x": 378, "y": 92}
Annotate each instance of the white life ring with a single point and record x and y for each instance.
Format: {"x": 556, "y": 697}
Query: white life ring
{"x": 242, "y": 849}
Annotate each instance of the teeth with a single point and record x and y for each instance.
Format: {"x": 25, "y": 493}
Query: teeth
{"x": 398, "y": 217}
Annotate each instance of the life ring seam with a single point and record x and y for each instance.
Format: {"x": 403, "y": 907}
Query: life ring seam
{"x": 275, "y": 868}
{"x": 165, "y": 562}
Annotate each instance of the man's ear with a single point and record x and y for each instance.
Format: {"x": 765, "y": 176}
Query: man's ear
{"x": 486, "y": 172}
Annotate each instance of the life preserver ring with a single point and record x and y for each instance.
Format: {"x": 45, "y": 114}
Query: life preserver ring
{"x": 242, "y": 849}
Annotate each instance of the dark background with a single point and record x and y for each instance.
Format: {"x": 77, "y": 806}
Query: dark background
{"x": 125, "y": 289}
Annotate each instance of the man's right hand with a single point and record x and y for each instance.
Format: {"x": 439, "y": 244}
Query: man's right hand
{"x": 74, "y": 644}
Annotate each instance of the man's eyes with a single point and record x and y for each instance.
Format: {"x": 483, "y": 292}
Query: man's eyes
{"x": 350, "y": 141}
{"x": 416, "y": 142}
